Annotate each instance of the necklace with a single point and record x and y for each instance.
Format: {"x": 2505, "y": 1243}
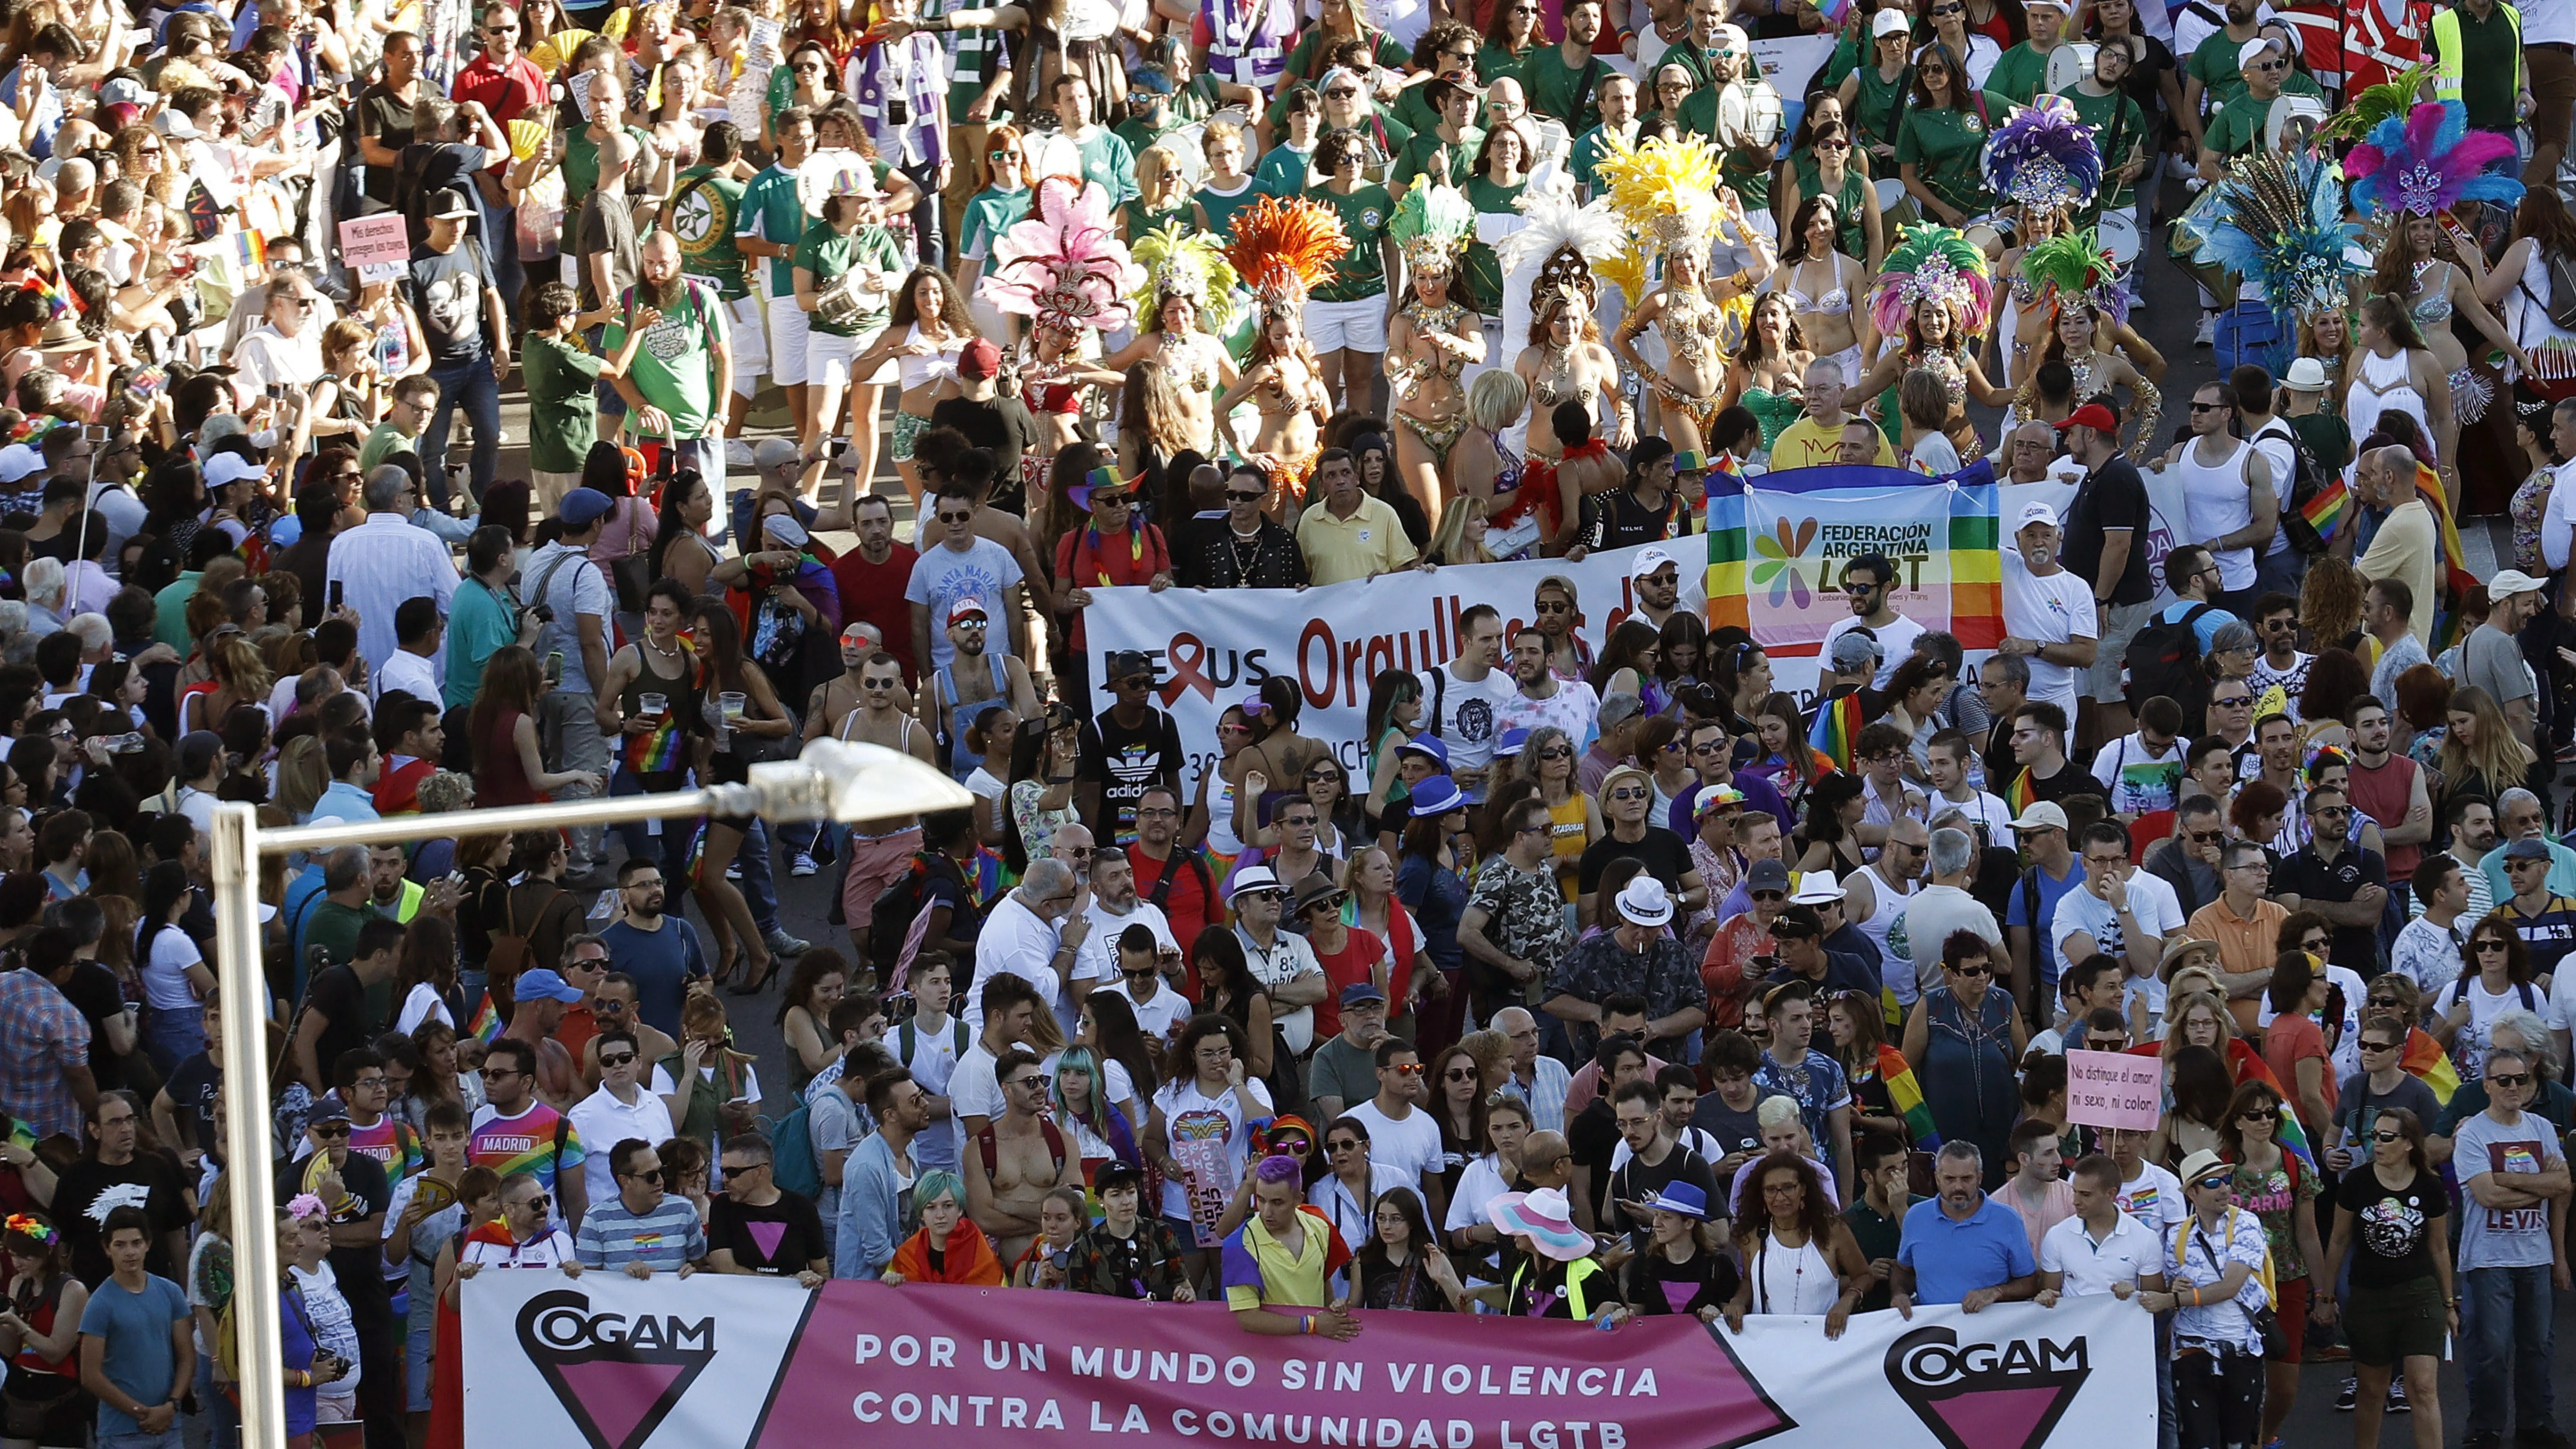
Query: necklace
{"x": 1556, "y": 384}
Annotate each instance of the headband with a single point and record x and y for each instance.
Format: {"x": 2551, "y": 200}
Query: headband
{"x": 31, "y": 1227}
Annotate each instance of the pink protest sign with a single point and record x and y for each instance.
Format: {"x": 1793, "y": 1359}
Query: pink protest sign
{"x": 2114, "y": 1089}
{"x": 374, "y": 240}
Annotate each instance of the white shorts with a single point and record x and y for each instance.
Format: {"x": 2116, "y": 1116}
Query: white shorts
{"x": 787, "y": 332}
{"x": 827, "y": 358}
{"x": 750, "y": 344}
{"x": 1347, "y": 326}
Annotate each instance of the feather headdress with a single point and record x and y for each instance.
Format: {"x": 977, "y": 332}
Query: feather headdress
{"x": 1192, "y": 264}
{"x": 1664, "y": 193}
{"x": 1284, "y": 248}
{"x": 1934, "y": 264}
{"x": 2074, "y": 264}
{"x": 1569, "y": 244}
{"x": 2396, "y": 96}
{"x": 2044, "y": 157}
{"x": 1431, "y": 225}
{"x": 2279, "y": 225}
{"x": 2428, "y": 160}
{"x": 1064, "y": 266}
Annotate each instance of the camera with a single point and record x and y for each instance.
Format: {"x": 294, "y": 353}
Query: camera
{"x": 543, "y": 613}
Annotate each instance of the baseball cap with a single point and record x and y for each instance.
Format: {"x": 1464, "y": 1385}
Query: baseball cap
{"x": 450, "y": 204}
{"x": 544, "y": 985}
{"x": 1854, "y": 649}
{"x": 2508, "y": 582}
{"x": 329, "y": 1109}
{"x": 1618, "y": 709}
{"x": 1361, "y": 993}
{"x": 979, "y": 359}
{"x": 1767, "y": 875}
{"x": 2040, "y": 815}
{"x": 1648, "y": 559}
{"x": 2034, "y": 512}
{"x": 1890, "y": 21}
{"x": 2245, "y": 53}
{"x": 1127, "y": 662}
{"x": 226, "y": 468}
{"x": 2527, "y": 849}
{"x": 584, "y": 506}
{"x": 785, "y": 529}
{"x": 1114, "y": 1174}
{"x": 968, "y": 607}
{"x": 2091, "y": 415}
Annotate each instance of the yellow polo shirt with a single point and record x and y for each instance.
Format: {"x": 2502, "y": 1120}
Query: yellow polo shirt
{"x": 1806, "y": 444}
{"x": 1370, "y": 542}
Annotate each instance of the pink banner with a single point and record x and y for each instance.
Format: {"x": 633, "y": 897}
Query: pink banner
{"x": 970, "y": 1367}
{"x": 2114, "y": 1089}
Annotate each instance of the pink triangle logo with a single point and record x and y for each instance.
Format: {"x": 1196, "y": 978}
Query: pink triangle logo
{"x": 2006, "y": 1395}
{"x": 768, "y": 1235}
{"x": 617, "y": 1386}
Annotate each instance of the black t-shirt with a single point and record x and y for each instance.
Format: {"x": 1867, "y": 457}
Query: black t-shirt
{"x": 1001, "y": 426}
{"x": 92, "y": 988}
{"x": 781, "y": 1238}
{"x": 1662, "y": 853}
{"x": 361, "y": 1270}
{"x": 1638, "y": 1181}
{"x": 1734, "y": 1131}
{"x": 1123, "y": 762}
{"x": 2309, "y": 877}
{"x": 387, "y": 117}
{"x": 88, "y": 1190}
{"x": 1656, "y": 1284}
{"x": 447, "y": 291}
{"x": 2066, "y": 784}
{"x": 2112, "y": 497}
{"x": 192, "y": 1087}
{"x": 1622, "y": 520}
{"x": 1593, "y": 1135}
{"x": 340, "y": 999}
{"x": 2395, "y": 1226}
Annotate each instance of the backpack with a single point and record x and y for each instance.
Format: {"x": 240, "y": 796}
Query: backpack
{"x": 792, "y": 1163}
{"x": 511, "y": 953}
{"x": 2164, "y": 658}
{"x": 988, "y": 1146}
{"x": 2307, "y": 480}
{"x": 2562, "y": 288}
{"x": 890, "y": 918}
{"x": 2190, "y": 1227}
{"x": 908, "y": 1039}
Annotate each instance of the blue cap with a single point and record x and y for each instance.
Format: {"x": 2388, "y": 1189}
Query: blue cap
{"x": 1437, "y": 796}
{"x": 1681, "y": 1197}
{"x": 1359, "y": 993}
{"x": 582, "y": 506}
{"x": 1511, "y": 742}
{"x": 544, "y": 985}
{"x": 1427, "y": 745}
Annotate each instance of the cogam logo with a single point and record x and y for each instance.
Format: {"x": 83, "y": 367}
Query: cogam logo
{"x": 618, "y": 1377}
{"x": 1777, "y": 556}
{"x": 1986, "y": 1395}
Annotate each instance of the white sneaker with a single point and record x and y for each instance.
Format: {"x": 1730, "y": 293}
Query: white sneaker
{"x": 2208, "y": 334}
{"x": 738, "y": 453}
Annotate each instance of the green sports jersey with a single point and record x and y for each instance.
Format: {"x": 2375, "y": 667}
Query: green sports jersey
{"x": 1282, "y": 171}
{"x": 1361, "y": 273}
{"x": 987, "y": 216}
{"x": 1943, "y": 145}
{"x": 1484, "y": 269}
{"x": 1427, "y": 155}
{"x": 829, "y": 255}
{"x": 675, "y": 367}
{"x": 1570, "y": 93}
{"x": 2118, "y": 128}
{"x": 2019, "y": 75}
{"x": 2237, "y": 128}
{"x": 703, "y": 208}
{"x": 771, "y": 210}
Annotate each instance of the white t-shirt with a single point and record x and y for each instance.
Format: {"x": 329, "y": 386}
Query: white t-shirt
{"x": 165, "y": 975}
{"x": 422, "y": 1004}
{"x": 1192, "y": 1118}
{"x": 1895, "y": 641}
{"x": 1411, "y": 1146}
{"x": 1096, "y": 964}
{"x": 2469, "y": 1048}
{"x": 1022, "y": 942}
{"x": 2139, "y": 780}
{"x": 2154, "y": 1198}
{"x": 2151, "y": 904}
{"x": 1982, "y": 806}
{"x": 933, "y": 1062}
{"x": 1466, "y": 717}
{"x": 2057, "y": 609}
{"x": 1157, "y": 1017}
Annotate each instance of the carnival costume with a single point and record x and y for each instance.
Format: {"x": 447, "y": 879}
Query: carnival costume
{"x": 1064, "y": 267}
{"x": 1556, "y": 253}
{"x": 2279, "y": 225}
{"x": 1283, "y": 248}
{"x": 2044, "y": 158}
{"x": 1664, "y": 193}
{"x": 2074, "y": 265}
{"x": 1431, "y": 226}
{"x": 1939, "y": 265}
{"x": 1193, "y": 267}
{"x": 2422, "y": 164}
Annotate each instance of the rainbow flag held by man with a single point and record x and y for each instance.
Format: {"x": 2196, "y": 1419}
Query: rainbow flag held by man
{"x": 486, "y": 1024}
{"x": 1837, "y": 729}
{"x": 2325, "y": 512}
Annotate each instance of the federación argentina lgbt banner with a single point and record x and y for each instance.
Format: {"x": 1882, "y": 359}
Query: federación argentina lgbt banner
{"x": 724, "y": 1362}
{"x": 1777, "y": 548}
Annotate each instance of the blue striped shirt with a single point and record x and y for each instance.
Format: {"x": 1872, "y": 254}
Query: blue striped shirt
{"x": 613, "y": 1235}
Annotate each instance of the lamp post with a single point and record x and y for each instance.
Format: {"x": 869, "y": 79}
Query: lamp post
{"x": 832, "y": 780}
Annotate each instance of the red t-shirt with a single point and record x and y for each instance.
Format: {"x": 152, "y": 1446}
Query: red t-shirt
{"x": 507, "y": 92}
{"x": 1188, "y": 906}
{"x": 873, "y": 594}
{"x": 2383, "y": 795}
{"x": 2289, "y": 1040}
{"x": 1358, "y": 957}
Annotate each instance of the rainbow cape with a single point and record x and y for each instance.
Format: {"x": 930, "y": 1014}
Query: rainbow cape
{"x": 2456, "y": 577}
{"x": 2018, "y": 795}
{"x": 1837, "y": 729}
{"x": 2428, "y": 1063}
{"x": 1906, "y": 1095}
{"x": 2325, "y": 512}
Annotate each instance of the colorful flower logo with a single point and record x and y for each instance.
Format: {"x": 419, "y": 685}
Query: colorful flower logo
{"x": 1776, "y": 557}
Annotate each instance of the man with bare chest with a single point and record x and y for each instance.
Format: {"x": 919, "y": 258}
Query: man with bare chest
{"x": 876, "y": 862}
{"x": 1018, "y": 1158}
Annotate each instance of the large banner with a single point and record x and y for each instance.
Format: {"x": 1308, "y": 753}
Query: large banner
{"x": 1213, "y": 647}
{"x": 725, "y": 1362}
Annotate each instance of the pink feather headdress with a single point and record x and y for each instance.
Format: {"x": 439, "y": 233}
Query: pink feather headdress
{"x": 1064, "y": 265}
{"x": 2428, "y": 160}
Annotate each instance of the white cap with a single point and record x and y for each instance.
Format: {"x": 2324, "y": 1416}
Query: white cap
{"x": 2509, "y": 582}
{"x": 1648, "y": 559}
{"x": 2245, "y": 53}
{"x": 2041, "y": 815}
{"x": 1732, "y": 38}
{"x": 1890, "y": 21}
{"x": 1817, "y": 888}
{"x": 2035, "y": 512}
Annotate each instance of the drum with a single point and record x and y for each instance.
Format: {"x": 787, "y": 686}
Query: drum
{"x": 1896, "y": 205}
{"x": 2188, "y": 232}
{"x": 2118, "y": 233}
{"x": 1749, "y": 116}
{"x": 2068, "y": 64}
{"x": 2292, "y": 123}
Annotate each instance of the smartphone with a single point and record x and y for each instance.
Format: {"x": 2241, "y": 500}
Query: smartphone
{"x": 554, "y": 666}
{"x": 276, "y": 390}
{"x": 336, "y": 594}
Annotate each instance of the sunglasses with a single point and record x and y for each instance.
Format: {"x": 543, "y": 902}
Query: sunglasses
{"x": 2484, "y": 947}
{"x": 2208, "y": 837}
{"x": 2387, "y": 1136}
{"x": 337, "y": 1129}
{"x": 650, "y": 1174}
{"x": 1628, "y": 795}
{"x": 619, "y": 1060}
{"x": 1458, "y": 1076}
{"x": 2234, "y": 701}
{"x": 1559, "y": 607}
{"x": 540, "y": 1203}
{"x": 1415, "y": 1070}
{"x": 2220, "y": 1181}
{"x": 1975, "y": 968}
{"x": 2509, "y": 1079}
{"x": 966, "y": 517}
{"x": 2379, "y": 1046}
{"x": 1241, "y": 496}
{"x": 2207, "y": 407}
{"x": 1770, "y": 895}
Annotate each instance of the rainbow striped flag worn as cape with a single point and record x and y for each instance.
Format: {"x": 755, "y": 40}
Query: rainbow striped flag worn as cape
{"x": 1837, "y": 729}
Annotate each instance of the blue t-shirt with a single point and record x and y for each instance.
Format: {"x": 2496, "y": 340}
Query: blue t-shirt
{"x": 135, "y": 1330}
{"x": 2051, "y": 891}
{"x": 2206, "y": 626}
{"x": 1952, "y": 1259}
{"x": 661, "y": 962}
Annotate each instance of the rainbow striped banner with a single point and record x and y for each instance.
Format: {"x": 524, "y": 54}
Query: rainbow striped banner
{"x": 1778, "y": 545}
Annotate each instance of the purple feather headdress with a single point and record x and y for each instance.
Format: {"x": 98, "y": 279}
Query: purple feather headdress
{"x": 2044, "y": 156}
{"x": 2427, "y": 161}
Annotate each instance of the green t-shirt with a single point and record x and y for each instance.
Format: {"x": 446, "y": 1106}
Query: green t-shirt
{"x": 2019, "y": 75}
{"x": 2213, "y": 64}
{"x": 1107, "y": 160}
{"x": 1484, "y": 269}
{"x": 170, "y": 612}
{"x": 1193, "y": 102}
{"x": 480, "y": 623}
{"x": 1385, "y": 52}
{"x": 1879, "y": 106}
{"x": 771, "y": 210}
{"x": 563, "y": 406}
{"x": 1848, "y": 53}
{"x": 385, "y": 440}
{"x": 829, "y": 254}
{"x": 1943, "y": 145}
{"x": 1361, "y": 273}
{"x": 1425, "y": 154}
{"x": 1748, "y": 172}
{"x": 1220, "y": 208}
{"x": 2118, "y": 126}
{"x": 581, "y": 171}
{"x": 1282, "y": 171}
{"x": 2237, "y": 128}
{"x": 1134, "y": 220}
{"x": 1560, "y": 90}
{"x": 1851, "y": 232}
{"x": 989, "y": 215}
{"x": 1493, "y": 62}
{"x": 1415, "y": 110}
{"x": 2489, "y": 47}
{"x": 675, "y": 368}
{"x": 702, "y": 220}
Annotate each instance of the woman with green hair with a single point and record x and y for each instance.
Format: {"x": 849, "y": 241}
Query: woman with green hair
{"x": 1081, "y": 1095}
{"x": 949, "y": 1248}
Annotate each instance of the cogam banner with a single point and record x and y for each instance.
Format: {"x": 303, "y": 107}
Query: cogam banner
{"x": 725, "y": 1362}
{"x": 1212, "y": 647}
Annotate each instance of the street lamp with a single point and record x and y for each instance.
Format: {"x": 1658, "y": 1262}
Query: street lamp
{"x": 832, "y": 780}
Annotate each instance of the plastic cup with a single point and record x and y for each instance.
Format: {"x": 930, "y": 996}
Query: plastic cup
{"x": 731, "y": 703}
{"x": 654, "y": 704}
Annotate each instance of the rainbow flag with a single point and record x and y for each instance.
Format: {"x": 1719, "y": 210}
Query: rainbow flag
{"x": 659, "y": 751}
{"x": 2426, "y": 1061}
{"x": 486, "y": 1023}
{"x": 1906, "y": 1095}
{"x": 1837, "y": 729}
{"x": 248, "y": 248}
{"x": 2018, "y": 795}
{"x": 2325, "y": 512}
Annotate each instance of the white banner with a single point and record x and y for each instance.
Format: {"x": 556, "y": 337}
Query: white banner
{"x": 727, "y": 1362}
{"x": 1213, "y": 647}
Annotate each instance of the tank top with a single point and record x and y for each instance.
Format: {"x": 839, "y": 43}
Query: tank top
{"x": 1221, "y": 838}
{"x": 1882, "y": 920}
{"x": 501, "y": 780}
{"x": 961, "y": 760}
{"x": 1792, "y": 1280}
{"x": 922, "y": 371}
{"x": 2215, "y": 503}
{"x": 666, "y": 749}
{"x": 40, "y": 1317}
{"x": 1565, "y": 836}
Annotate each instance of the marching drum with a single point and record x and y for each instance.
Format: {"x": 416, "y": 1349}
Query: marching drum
{"x": 2068, "y": 64}
{"x": 1896, "y": 205}
{"x": 1750, "y": 116}
{"x": 2292, "y": 123}
{"x": 2189, "y": 231}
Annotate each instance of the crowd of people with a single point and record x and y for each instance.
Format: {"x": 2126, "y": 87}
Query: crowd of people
{"x": 1598, "y": 966}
